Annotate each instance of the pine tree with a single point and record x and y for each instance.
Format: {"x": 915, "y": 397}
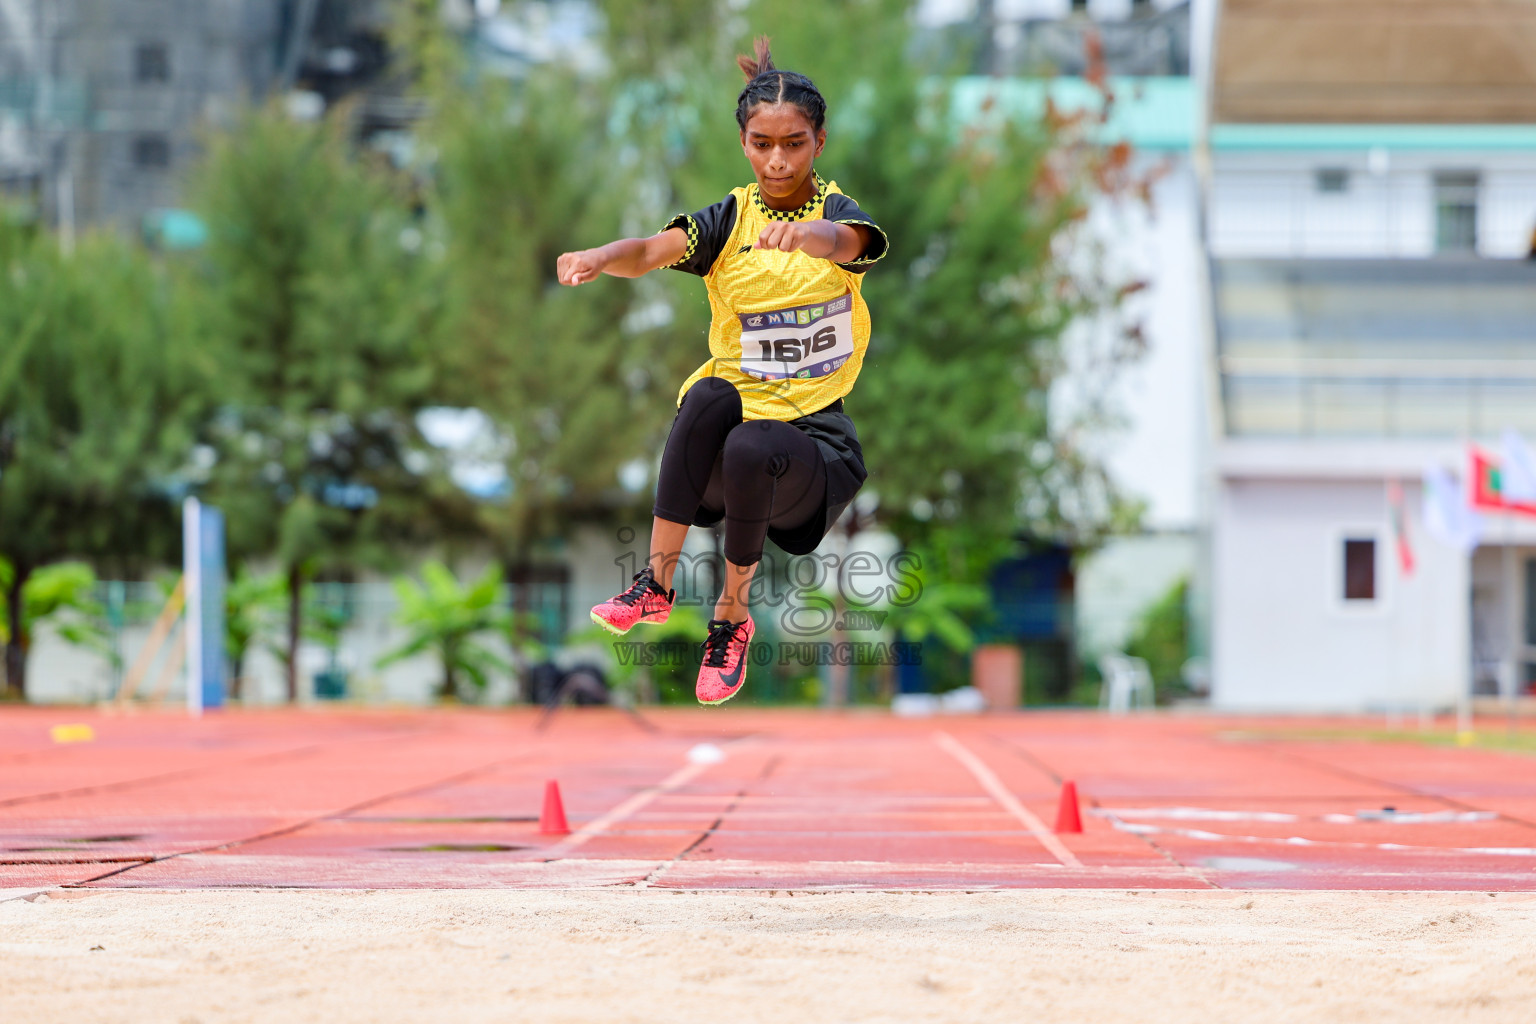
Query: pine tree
{"x": 99, "y": 401}
{"x": 578, "y": 381}
{"x": 317, "y": 295}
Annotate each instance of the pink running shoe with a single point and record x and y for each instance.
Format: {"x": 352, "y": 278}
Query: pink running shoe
{"x": 725, "y": 660}
{"x": 644, "y": 601}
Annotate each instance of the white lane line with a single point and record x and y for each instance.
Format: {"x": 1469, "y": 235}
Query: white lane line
{"x": 597, "y": 826}
{"x": 1214, "y": 837}
{"x": 995, "y": 788}
{"x": 1190, "y": 814}
{"x": 1358, "y": 818}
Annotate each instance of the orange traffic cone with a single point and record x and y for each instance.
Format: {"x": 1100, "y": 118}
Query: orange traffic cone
{"x": 552, "y": 820}
{"x": 1067, "y": 817}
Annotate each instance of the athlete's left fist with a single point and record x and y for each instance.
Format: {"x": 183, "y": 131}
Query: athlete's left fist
{"x": 575, "y": 268}
{"x": 785, "y": 236}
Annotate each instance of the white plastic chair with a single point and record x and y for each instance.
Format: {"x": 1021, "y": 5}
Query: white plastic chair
{"x": 1126, "y": 680}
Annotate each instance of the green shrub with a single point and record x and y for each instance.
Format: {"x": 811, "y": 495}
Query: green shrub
{"x": 1162, "y": 640}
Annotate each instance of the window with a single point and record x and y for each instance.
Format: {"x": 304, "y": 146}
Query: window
{"x": 152, "y": 63}
{"x": 1359, "y": 569}
{"x": 152, "y": 152}
{"x": 1456, "y": 211}
{"x": 1332, "y": 180}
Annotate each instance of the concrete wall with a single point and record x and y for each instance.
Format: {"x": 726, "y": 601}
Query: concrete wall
{"x": 1155, "y": 444}
{"x": 1162, "y": 397}
{"x": 1284, "y": 638}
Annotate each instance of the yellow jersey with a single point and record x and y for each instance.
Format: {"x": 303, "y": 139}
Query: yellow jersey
{"x": 788, "y": 330}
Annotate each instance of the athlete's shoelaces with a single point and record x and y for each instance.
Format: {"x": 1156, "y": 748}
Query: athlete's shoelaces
{"x": 718, "y": 643}
{"x": 638, "y": 589}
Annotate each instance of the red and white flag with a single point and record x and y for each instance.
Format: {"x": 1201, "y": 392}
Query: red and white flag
{"x": 1397, "y": 506}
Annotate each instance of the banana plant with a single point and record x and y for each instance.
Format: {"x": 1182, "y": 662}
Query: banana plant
{"x": 253, "y": 611}
{"x": 448, "y": 618}
{"x": 63, "y": 596}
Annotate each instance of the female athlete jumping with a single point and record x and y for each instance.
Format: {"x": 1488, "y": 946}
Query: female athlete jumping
{"x": 760, "y": 439}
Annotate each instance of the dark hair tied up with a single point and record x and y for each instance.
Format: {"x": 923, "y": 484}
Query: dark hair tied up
{"x": 767, "y": 84}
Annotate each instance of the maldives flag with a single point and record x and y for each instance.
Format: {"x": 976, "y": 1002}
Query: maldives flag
{"x": 1488, "y": 487}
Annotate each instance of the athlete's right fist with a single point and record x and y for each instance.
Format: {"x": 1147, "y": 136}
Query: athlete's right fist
{"x": 579, "y": 267}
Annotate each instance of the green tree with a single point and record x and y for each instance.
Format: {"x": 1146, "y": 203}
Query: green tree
{"x": 318, "y": 298}
{"x": 99, "y": 402}
{"x": 443, "y": 616}
{"x": 578, "y": 381}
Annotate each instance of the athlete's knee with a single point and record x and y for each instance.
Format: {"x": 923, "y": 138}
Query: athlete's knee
{"x": 744, "y": 555}
{"x": 752, "y": 447}
{"x": 711, "y": 406}
{"x": 711, "y": 393}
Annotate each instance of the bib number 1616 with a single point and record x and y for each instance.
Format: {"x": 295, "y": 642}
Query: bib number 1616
{"x": 801, "y": 342}
{"x": 792, "y": 350}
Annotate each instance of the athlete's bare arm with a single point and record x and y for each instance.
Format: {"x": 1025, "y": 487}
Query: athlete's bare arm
{"x": 628, "y": 257}
{"x": 824, "y": 239}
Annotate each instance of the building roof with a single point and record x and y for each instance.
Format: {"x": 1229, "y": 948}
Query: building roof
{"x": 1375, "y": 61}
{"x": 1149, "y": 113}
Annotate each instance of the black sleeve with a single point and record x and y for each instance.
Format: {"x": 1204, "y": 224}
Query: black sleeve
{"x": 708, "y": 231}
{"x": 839, "y": 209}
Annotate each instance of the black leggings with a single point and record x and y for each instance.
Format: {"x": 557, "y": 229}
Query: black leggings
{"x": 757, "y": 473}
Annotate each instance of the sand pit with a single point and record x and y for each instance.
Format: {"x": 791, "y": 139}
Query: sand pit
{"x": 658, "y": 955}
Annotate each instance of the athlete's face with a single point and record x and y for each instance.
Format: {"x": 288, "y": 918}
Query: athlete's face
{"x": 781, "y": 146}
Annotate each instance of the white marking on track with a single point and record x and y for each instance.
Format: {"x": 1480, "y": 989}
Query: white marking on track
{"x": 1189, "y": 814}
{"x": 1408, "y": 817}
{"x": 684, "y": 775}
{"x": 1358, "y": 818}
{"x": 995, "y": 788}
{"x": 1214, "y": 837}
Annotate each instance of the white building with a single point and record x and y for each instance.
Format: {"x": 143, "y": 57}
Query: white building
{"x": 1370, "y": 196}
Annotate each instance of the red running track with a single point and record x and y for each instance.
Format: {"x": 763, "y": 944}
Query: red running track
{"x": 800, "y": 800}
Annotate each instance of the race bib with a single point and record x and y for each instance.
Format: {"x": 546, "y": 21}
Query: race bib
{"x": 801, "y": 342}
